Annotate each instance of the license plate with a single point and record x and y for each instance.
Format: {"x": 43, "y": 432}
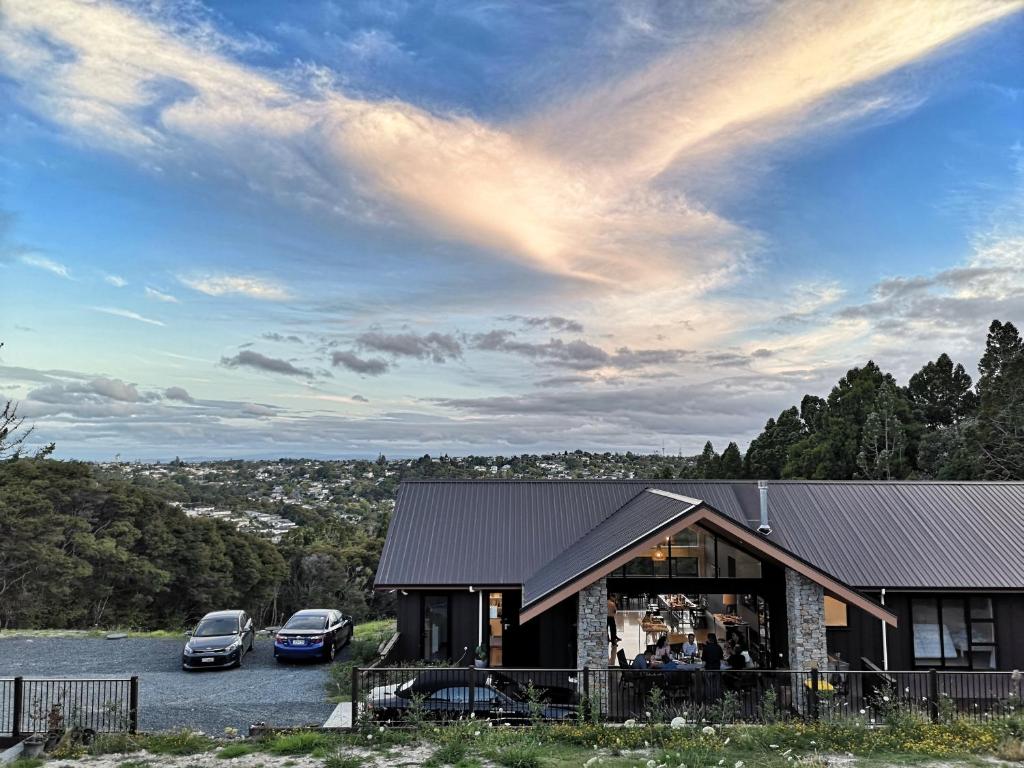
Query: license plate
{"x": 207, "y": 659}
{"x": 298, "y": 642}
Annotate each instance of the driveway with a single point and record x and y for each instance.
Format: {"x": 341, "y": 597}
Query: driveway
{"x": 209, "y": 701}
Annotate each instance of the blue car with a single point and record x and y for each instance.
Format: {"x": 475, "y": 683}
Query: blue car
{"x": 313, "y": 634}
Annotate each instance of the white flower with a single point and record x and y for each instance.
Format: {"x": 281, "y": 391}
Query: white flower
{"x": 647, "y": 714}
{"x": 787, "y": 751}
{"x": 773, "y": 746}
{"x": 631, "y": 723}
{"x": 472, "y": 715}
{"x": 707, "y": 730}
{"x": 863, "y": 711}
{"x": 476, "y": 733}
{"x": 728, "y": 739}
{"x": 369, "y": 737}
{"x": 590, "y": 762}
{"x": 381, "y": 729}
{"x": 739, "y": 764}
{"x": 678, "y": 722}
{"x": 885, "y": 698}
{"x": 722, "y": 761}
{"x": 651, "y": 764}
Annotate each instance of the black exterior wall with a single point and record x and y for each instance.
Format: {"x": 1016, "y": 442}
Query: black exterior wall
{"x": 862, "y": 638}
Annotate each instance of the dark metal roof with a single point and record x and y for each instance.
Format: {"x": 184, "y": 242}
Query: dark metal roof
{"x": 910, "y": 535}
{"x": 637, "y": 519}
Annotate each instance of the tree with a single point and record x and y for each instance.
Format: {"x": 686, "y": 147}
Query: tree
{"x": 884, "y": 437}
{"x": 941, "y": 392}
{"x": 708, "y": 463}
{"x": 766, "y": 456}
{"x": 999, "y": 431}
{"x": 731, "y": 463}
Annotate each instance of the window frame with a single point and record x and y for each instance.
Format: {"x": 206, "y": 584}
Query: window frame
{"x": 940, "y": 602}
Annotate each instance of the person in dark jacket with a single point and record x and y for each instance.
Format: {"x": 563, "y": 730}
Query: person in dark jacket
{"x": 712, "y": 666}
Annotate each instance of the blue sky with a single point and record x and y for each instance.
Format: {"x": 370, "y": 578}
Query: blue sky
{"x": 256, "y": 228}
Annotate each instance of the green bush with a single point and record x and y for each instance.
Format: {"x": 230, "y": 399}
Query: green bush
{"x": 451, "y": 753}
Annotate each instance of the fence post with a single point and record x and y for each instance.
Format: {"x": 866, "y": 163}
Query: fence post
{"x": 586, "y": 691}
{"x": 933, "y": 695}
{"x": 133, "y": 705}
{"x": 19, "y": 699}
{"x": 472, "y": 689}
{"x": 812, "y": 696}
{"x": 355, "y": 696}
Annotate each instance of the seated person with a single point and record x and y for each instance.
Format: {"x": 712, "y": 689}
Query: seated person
{"x": 643, "y": 660}
{"x": 736, "y": 659}
{"x": 662, "y": 652}
{"x": 712, "y": 653}
{"x": 669, "y": 664}
{"x": 690, "y": 646}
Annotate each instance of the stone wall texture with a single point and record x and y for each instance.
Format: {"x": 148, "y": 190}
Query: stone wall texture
{"x": 592, "y": 626}
{"x": 805, "y": 615}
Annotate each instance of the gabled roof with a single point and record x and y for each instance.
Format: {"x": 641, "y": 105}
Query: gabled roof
{"x": 898, "y": 535}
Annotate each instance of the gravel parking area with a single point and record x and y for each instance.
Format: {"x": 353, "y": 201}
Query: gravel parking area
{"x": 169, "y": 698}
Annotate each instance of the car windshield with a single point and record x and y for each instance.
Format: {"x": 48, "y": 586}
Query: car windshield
{"x": 218, "y": 625}
{"x": 306, "y": 622}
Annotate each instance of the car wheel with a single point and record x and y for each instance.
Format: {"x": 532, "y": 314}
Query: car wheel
{"x": 330, "y": 651}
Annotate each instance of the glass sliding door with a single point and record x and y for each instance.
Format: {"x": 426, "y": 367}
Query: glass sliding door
{"x": 436, "y": 645}
{"x": 495, "y": 630}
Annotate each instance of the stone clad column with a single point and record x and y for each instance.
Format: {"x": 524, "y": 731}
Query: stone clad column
{"x": 805, "y": 617}
{"x": 592, "y": 626}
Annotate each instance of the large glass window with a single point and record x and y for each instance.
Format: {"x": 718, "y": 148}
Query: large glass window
{"x": 695, "y": 552}
{"x": 436, "y": 646}
{"x": 954, "y": 632}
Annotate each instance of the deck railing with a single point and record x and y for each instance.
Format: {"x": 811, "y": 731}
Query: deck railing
{"x": 39, "y": 705}
{"x": 518, "y": 696}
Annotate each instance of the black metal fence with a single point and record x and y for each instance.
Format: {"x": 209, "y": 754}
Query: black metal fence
{"x": 36, "y": 705}
{"x": 409, "y": 695}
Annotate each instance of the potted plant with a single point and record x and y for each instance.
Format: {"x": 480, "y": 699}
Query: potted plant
{"x": 481, "y": 656}
{"x": 33, "y": 746}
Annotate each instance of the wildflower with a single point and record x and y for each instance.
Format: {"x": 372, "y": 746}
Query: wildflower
{"x": 647, "y": 714}
{"x": 885, "y": 698}
{"x": 707, "y": 730}
{"x": 722, "y": 761}
{"x": 590, "y": 762}
{"x": 381, "y": 729}
{"x": 651, "y": 764}
{"x": 863, "y": 711}
{"x": 907, "y": 689}
{"x": 813, "y": 742}
{"x": 773, "y": 746}
{"x": 787, "y": 751}
{"x": 369, "y": 737}
{"x": 476, "y": 733}
{"x": 739, "y": 764}
{"x": 727, "y": 740}
{"x": 472, "y": 715}
{"x": 678, "y": 722}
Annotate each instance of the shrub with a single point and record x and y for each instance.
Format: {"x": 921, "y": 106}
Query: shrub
{"x": 114, "y": 743}
{"x": 451, "y": 753}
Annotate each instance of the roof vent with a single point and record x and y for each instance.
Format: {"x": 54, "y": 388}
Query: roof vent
{"x": 762, "y": 488}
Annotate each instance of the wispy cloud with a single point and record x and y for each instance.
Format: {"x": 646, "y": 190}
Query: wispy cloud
{"x": 237, "y": 285}
{"x": 115, "y": 280}
{"x": 42, "y": 262}
{"x": 371, "y": 366}
{"x": 126, "y": 313}
{"x": 156, "y": 295}
{"x": 572, "y": 192}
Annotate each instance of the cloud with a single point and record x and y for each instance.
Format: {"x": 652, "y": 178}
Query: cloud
{"x": 351, "y": 361}
{"x": 100, "y": 388}
{"x": 127, "y": 313}
{"x": 575, "y": 192}
{"x": 153, "y": 293}
{"x": 249, "y": 359}
{"x": 360, "y": 399}
{"x": 178, "y": 393}
{"x": 439, "y": 347}
{"x": 42, "y": 262}
{"x": 281, "y": 338}
{"x": 577, "y": 354}
{"x": 115, "y": 280}
{"x": 227, "y": 285}
{"x": 552, "y": 322}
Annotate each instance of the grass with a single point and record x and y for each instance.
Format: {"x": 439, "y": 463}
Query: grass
{"x": 338, "y": 760}
{"x": 365, "y": 641}
{"x": 452, "y": 753}
{"x": 238, "y": 749}
{"x": 176, "y": 743}
{"x": 382, "y": 628}
{"x": 27, "y": 762}
{"x": 301, "y": 743}
{"x": 163, "y": 634}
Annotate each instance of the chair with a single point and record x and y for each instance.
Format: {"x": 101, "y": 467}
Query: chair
{"x": 621, "y": 656}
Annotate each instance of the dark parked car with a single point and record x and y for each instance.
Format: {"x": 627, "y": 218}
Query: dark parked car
{"x": 444, "y": 693}
{"x": 220, "y": 639}
{"x": 314, "y": 633}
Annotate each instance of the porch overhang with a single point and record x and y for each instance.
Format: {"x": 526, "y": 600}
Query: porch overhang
{"x": 690, "y": 512}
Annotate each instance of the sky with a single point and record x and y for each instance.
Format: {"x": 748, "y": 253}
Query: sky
{"x": 342, "y": 227}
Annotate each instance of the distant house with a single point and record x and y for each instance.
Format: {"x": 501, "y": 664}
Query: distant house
{"x": 901, "y": 575}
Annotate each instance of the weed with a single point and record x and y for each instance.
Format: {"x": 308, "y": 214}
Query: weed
{"x": 299, "y": 743}
{"x": 520, "y": 756}
{"x": 1011, "y": 749}
{"x": 448, "y": 754}
{"x": 27, "y": 762}
{"x": 235, "y": 750}
{"x": 176, "y": 743}
{"x": 134, "y": 764}
{"x": 338, "y": 760}
{"x": 114, "y": 743}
